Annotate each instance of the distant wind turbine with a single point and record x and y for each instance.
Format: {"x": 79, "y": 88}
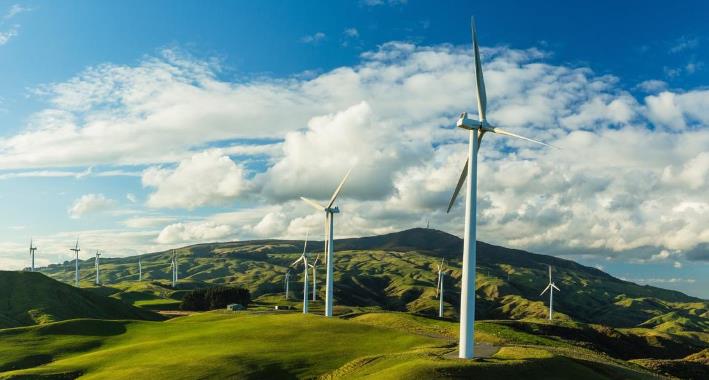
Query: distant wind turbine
{"x": 174, "y": 268}
{"x": 329, "y": 228}
{"x": 97, "y": 263}
{"x": 439, "y": 288}
{"x": 314, "y": 267}
{"x": 286, "y": 282}
{"x": 33, "y": 249}
{"x": 304, "y": 259}
{"x": 476, "y": 130}
{"x": 550, "y": 288}
{"x": 76, "y": 262}
{"x": 140, "y": 269}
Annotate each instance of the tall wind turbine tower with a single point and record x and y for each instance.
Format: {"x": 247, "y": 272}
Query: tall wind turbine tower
{"x": 329, "y": 231}
{"x": 173, "y": 264}
{"x": 550, "y": 288}
{"x": 76, "y": 262}
{"x": 33, "y": 249}
{"x": 140, "y": 269}
{"x": 439, "y": 288}
{"x": 304, "y": 259}
{"x": 96, "y": 262}
{"x": 476, "y": 129}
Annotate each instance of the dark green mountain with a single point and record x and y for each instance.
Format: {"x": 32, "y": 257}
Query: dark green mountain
{"x": 396, "y": 272}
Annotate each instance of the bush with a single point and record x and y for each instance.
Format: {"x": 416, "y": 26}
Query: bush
{"x": 215, "y": 298}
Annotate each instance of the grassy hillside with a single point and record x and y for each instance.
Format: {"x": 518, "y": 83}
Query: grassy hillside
{"x": 33, "y": 298}
{"x": 290, "y": 345}
{"x": 397, "y": 272}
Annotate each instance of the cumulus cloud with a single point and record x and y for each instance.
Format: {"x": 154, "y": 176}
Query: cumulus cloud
{"x": 192, "y": 232}
{"x": 90, "y": 203}
{"x": 7, "y": 35}
{"x": 313, "y": 38}
{"x": 147, "y": 221}
{"x": 205, "y": 178}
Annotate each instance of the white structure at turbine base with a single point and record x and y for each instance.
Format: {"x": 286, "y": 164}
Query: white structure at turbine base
{"x": 476, "y": 130}
{"x": 306, "y": 267}
{"x": 76, "y": 262}
{"x": 330, "y": 212}
{"x": 550, "y": 288}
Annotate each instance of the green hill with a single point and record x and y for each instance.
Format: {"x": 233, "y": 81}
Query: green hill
{"x": 396, "y": 272}
{"x": 257, "y": 345}
{"x": 32, "y": 298}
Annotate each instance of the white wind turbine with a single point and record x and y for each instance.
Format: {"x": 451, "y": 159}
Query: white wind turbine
{"x": 286, "y": 282}
{"x": 33, "y": 249}
{"x": 304, "y": 259}
{"x": 140, "y": 269}
{"x": 476, "y": 130}
{"x": 173, "y": 264}
{"x": 439, "y": 288}
{"x": 550, "y": 288}
{"x": 96, "y": 263}
{"x": 76, "y": 262}
{"x": 314, "y": 267}
{"x": 329, "y": 229}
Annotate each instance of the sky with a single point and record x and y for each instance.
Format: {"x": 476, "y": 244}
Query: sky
{"x": 141, "y": 126}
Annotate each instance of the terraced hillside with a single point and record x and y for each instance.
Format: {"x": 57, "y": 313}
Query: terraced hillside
{"x": 396, "y": 272}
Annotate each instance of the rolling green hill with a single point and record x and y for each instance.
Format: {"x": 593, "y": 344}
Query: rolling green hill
{"x": 258, "y": 345}
{"x": 33, "y": 298}
{"x": 396, "y": 272}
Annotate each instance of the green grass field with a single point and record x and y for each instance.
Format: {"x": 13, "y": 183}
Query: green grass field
{"x": 287, "y": 345}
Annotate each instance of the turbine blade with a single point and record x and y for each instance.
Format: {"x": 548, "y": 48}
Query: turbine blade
{"x": 458, "y": 186}
{"x": 506, "y": 133}
{"x": 339, "y": 188}
{"x": 297, "y": 261}
{"x": 479, "y": 81}
{"x": 554, "y": 286}
{"x": 545, "y": 290}
{"x": 314, "y": 204}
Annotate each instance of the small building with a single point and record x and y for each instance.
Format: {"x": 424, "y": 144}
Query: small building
{"x": 235, "y": 307}
{"x": 282, "y": 307}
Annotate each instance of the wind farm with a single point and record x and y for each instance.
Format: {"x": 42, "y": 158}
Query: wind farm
{"x": 183, "y": 184}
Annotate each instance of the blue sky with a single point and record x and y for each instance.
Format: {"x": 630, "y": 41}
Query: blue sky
{"x": 146, "y": 125}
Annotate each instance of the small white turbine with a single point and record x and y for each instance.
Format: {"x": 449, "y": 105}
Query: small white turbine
{"x": 476, "y": 129}
{"x": 76, "y": 262}
{"x": 140, "y": 269}
{"x": 97, "y": 263}
{"x": 550, "y": 288}
{"x": 329, "y": 229}
{"x": 286, "y": 282}
{"x": 173, "y": 264}
{"x": 439, "y": 288}
{"x": 314, "y": 267}
{"x": 304, "y": 259}
{"x": 33, "y": 249}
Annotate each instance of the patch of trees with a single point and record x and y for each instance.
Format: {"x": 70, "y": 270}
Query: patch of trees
{"x": 215, "y": 298}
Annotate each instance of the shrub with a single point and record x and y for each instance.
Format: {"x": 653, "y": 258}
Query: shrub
{"x": 215, "y": 298}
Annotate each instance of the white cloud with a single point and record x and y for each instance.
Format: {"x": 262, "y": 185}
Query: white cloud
{"x": 684, "y": 43}
{"x": 652, "y": 85}
{"x": 192, "y": 232}
{"x": 9, "y": 34}
{"x": 90, "y": 203}
{"x": 132, "y": 198}
{"x": 147, "y": 221}
{"x": 206, "y": 178}
{"x": 313, "y": 38}
{"x": 352, "y": 32}
{"x": 14, "y": 10}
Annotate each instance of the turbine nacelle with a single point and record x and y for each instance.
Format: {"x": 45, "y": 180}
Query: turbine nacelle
{"x": 465, "y": 122}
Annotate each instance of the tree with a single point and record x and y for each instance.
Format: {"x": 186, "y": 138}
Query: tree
{"x": 215, "y": 298}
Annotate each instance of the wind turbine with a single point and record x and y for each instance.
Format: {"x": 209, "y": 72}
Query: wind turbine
{"x": 286, "y": 281}
{"x": 304, "y": 259}
{"x": 76, "y": 262}
{"x": 33, "y": 249}
{"x": 314, "y": 267}
{"x": 96, "y": 262}
{"x": 173, "y": 265}
{"x": 140, "y": 269}
{"x": 550, "y": 288}
{"x": 476, "y": 129}
{"x": 329, "y": 229}
{"x": 439, "y": 288}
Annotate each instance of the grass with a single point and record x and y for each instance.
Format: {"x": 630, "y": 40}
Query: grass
{"x": 255, "y": 344}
